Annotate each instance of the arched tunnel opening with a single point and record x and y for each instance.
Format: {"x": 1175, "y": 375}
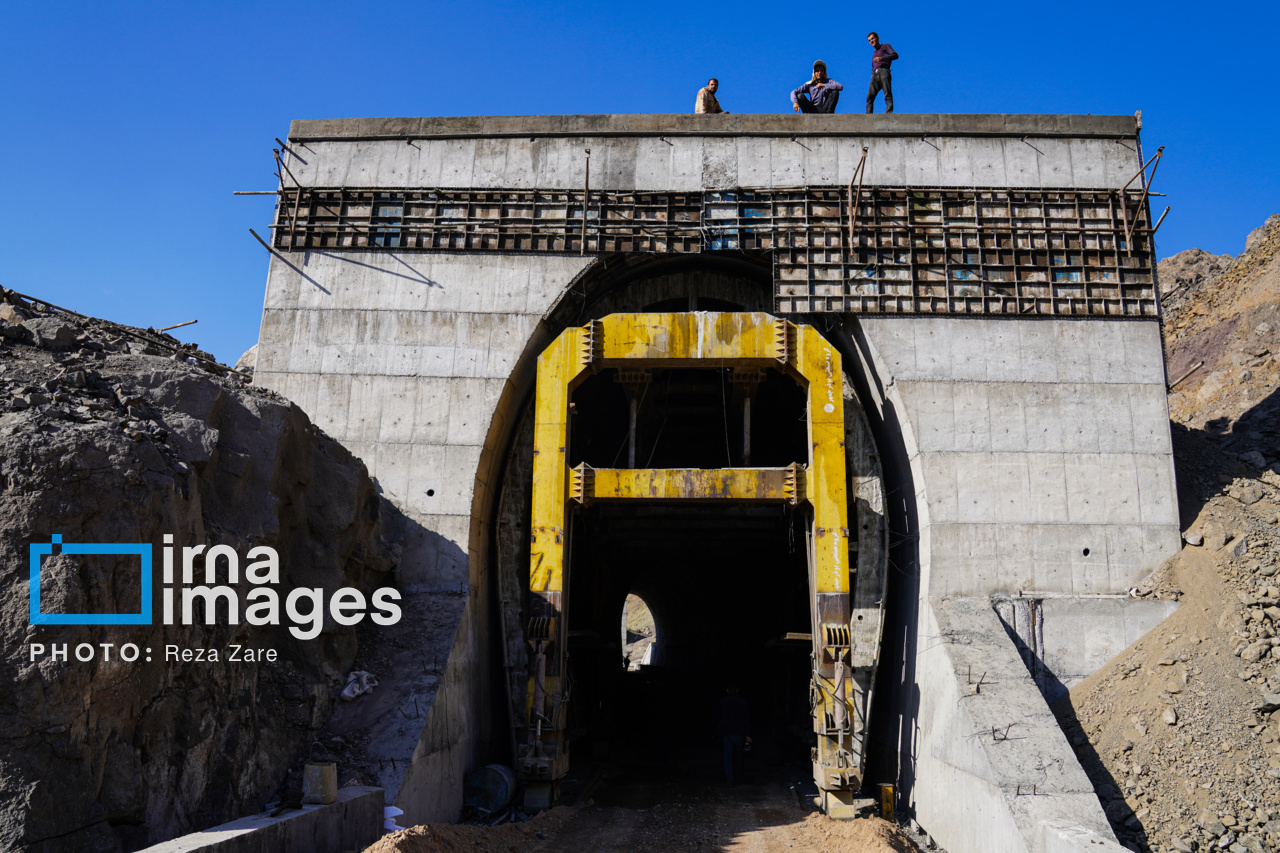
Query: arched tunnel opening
{"x": 729, "y": 585}
{"x": 726, "y": 585}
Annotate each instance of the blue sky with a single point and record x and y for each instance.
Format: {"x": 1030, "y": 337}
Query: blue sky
{"x": 126, "y": 127}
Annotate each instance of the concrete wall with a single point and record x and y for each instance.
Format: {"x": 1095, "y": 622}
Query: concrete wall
{"x": 1041, "y": 461}
{"x": 1026, "y": 441}
{"x": 1064, "y": 640}
{"x": 1042, "y": 456}
{"x": 353, "y": 822}
{"x": 674, "y": 153}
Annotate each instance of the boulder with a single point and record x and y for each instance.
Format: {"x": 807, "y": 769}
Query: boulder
{"x": 52, "y": 332}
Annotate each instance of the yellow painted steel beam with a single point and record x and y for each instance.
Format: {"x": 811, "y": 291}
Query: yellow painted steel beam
{"x": 749, "y": 485}
{"x": 698, "y": 339}
{"x": 689, "y": 341}
{"x": 818, "y": 362}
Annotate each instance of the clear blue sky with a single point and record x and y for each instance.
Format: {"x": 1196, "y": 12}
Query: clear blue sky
{"x": 126, "y": 127}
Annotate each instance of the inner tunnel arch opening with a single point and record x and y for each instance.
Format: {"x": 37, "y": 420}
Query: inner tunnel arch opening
{"x": 678, "y": 559}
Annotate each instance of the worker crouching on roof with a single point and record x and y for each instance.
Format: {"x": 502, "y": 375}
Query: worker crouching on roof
{"x": 819, "y": 95}
{"x": 707, "y": 102}
{"x": 881, "y": 59}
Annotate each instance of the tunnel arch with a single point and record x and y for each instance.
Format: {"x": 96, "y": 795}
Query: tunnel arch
{"x": 620, "y": 285}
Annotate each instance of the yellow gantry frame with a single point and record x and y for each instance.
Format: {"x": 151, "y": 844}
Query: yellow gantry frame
{"x": 695, "y": 340}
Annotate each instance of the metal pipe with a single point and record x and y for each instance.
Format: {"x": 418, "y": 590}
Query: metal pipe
{"x": 281, "y": 161}
{"x": 1143, "y": 169}
{"x": 178, "y": 326}
{"x": 859, "y": 173}
{"x": 1162, "y": 216}
{"x": 1124, "y": 220}
{"x": 586, "y": 200}
{"x": 293, "y": 219}
{"x": 1178, "y": 381}
{"x": 256, "y": 192}
{"x": 1147, "y": 186}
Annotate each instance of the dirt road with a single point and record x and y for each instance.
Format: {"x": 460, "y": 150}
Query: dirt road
{"x": 656, "y": 807}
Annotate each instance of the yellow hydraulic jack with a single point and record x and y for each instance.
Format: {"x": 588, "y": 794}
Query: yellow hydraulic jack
{"x": 749, "y": 343}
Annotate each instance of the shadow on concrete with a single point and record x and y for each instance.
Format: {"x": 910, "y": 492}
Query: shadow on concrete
{"x": 416, "y": 277}
{"x": 291, "y": 265}
{"x": 1050, "y": 686}
{"x": 892, "y": 740}
{"x": 1124, "y": 823}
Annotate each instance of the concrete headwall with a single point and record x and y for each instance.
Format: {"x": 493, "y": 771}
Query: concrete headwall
{"x": 1041, "y": 461}
{"x": 1037, "y": 450}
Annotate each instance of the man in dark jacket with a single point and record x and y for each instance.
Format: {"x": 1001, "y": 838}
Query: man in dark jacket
{"x": 882, "y": 57}
{"x": 819, "y": 95}
{"x": 733, "y": 724}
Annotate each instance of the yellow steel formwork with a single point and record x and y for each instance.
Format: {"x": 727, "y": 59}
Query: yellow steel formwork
{"x": 637, "y": 341}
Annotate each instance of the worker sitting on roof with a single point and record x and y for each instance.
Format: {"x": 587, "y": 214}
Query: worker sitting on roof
{"x": 819, "y": 95}
{"x": 707, "y": 102}
{"x": 881, "y": 59}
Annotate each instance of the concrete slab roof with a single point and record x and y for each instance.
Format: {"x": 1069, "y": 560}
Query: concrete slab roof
{"x": 881, "y": 124}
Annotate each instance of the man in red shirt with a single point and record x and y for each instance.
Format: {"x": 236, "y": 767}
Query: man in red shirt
{"x": 883, "y": 56}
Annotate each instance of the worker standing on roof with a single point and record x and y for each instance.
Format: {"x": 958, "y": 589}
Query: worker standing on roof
{"x": 882, "y": 57}
{"x": 819, "y": 95}
{"x": 707, "y": 102}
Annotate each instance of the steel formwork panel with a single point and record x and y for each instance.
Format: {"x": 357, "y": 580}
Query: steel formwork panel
{"x": 905, "y": 250}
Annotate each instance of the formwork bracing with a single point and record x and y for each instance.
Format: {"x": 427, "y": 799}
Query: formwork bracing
{"x": 844, "y": 643}
{"x": 905, "y": 250}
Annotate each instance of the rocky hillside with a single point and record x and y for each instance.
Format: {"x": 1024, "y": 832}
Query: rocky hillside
{"x": 1181, "y": 732}
{"x": 110, "y": 434}
{"x": 1225, "y": 327}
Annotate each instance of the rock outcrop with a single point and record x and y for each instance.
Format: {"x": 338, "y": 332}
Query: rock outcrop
{"x": 1188, "y": 269}
{"x": 112, "y": 435}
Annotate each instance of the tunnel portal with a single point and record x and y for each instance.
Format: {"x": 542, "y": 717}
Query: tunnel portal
{"x": 708, "y": 522}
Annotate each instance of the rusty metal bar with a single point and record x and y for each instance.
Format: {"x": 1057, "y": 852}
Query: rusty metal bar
{"x": 280, "y": 161}
{"x": 1145, "y": 189}
{"x": 586, "y": 201}
{"x": 854, "y": 201}
{"x": 1142, "y": 170}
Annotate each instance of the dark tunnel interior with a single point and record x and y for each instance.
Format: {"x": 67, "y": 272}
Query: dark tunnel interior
{"x": 726, "y": 582}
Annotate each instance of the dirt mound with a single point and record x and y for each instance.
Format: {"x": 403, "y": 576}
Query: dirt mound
{"x": 1180, "y": 733}
{"x": 820, "y": 834}
{"x": 461, "y": 838}
{"x": 567, "y": 830}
